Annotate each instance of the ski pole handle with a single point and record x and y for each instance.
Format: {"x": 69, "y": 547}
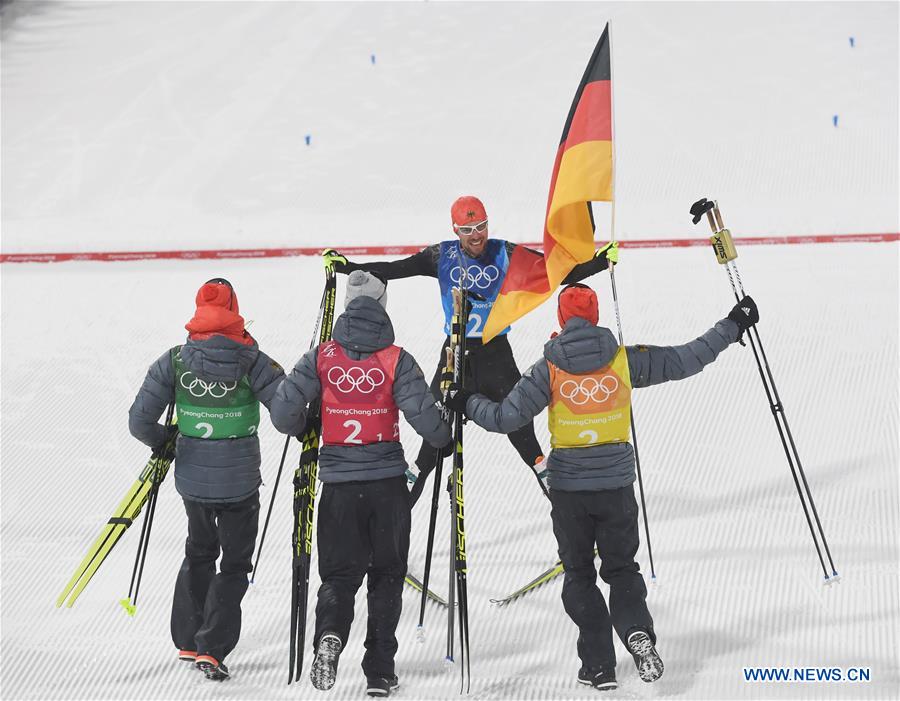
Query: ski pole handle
{"x": 721, "y": 240}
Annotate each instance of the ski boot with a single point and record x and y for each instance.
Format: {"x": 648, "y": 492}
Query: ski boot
{"x": 324, "y": 666}
{"x": 646, "y": 658}
{"x": 382, "y": 686}
{"x": 601, "y": 680}
{"x": 212, "y": 668}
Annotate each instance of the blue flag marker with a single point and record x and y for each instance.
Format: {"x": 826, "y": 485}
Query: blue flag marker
{"x": 308, "y": 137}
{"x": 851, "y": 42}
{"x": 835, "y": 120}
{"x": 373, "y": 56}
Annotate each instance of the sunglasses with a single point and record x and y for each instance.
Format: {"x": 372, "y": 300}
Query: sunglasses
{"x": 480, "y": 228}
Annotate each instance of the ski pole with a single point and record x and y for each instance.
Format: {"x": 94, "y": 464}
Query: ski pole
{"x": 154, "y": 496}
{"x": 435, "y": 496}
{"x": 129, "y": 604}
{"x": 287, "y": 442}
{"x": 726, "y": 253}
{"x": 634, "y": 441}
{"x": 612, "y": 280}
{"x": 262, "y": 538}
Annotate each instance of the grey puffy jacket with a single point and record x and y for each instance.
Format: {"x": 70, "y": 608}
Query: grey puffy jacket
{"x": 361, "y": 330}
{"x": 582, "y": 348}
{"x": 214, "y": 471}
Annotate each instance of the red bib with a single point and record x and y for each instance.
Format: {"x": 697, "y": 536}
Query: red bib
{"x": 358, "y": 405}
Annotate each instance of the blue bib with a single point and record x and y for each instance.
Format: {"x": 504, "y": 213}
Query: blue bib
{"x": 482, "y": 276}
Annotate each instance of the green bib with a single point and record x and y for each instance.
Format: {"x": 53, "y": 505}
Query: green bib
{"x": 213, "y": 410}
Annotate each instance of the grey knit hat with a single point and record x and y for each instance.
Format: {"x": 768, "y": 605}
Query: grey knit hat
{"x": 363, "y": 284}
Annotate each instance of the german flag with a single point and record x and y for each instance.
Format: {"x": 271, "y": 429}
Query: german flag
{"x": 582, "y": 172}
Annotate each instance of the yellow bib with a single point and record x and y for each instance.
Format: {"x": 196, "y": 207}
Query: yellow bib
{"x": 590, "y": 409}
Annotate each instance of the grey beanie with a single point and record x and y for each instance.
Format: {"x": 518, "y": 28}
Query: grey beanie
{"x": 363, "y": 284}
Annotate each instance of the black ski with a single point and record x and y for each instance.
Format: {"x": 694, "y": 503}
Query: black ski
{"x": 457, "y": 501}
{"x": 305, "y": 500}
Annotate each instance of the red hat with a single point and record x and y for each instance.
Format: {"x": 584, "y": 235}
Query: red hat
{"x": 218, "y": 313}
{"x": 218, "y": 292}
{"x": 467, "y": 210}
{"x": 577, "y": 300}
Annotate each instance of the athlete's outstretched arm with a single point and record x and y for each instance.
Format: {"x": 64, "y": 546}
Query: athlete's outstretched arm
{"x": 585, "y": 270}
{"x": 424, "y": 263}
{"x": 579, "y": 272}
{"x": 528, "y": 398}
{"x": 653, "y": 365}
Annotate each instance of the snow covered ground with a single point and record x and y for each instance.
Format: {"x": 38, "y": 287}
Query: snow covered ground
{"x": 161, "y": 125}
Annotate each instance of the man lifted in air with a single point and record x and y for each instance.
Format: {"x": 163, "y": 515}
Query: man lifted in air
{"x": 481, "y": 264}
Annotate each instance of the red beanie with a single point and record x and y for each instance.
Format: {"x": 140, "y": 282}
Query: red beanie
{"x": 217, "y": 314}
{"x": 578, "y": 301}
{"x": 217, "y": 294}
{"x": 467, "y": 210}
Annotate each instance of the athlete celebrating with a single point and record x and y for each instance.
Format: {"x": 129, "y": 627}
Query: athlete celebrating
{"x": 480, "y": 263}
{"x": 217, "y": 380}
{"x": 586, "y": 378}
{"x": 363, "y": 381}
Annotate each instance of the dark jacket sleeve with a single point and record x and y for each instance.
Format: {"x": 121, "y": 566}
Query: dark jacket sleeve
{"x": 653, "y": 365}
{"x": 528, "y": 398}
{"x": 586, "y": 269}
{"x": 265, "y": 376}
{"x": 413, "y": 397}
{"x": 157, "y": 392}
{"x": 424, "y": 263}
{"x": 288, "y": 407}
{"x": 576, "y": 274}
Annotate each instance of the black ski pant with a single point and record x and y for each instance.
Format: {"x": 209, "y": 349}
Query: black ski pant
{"x": 490, "y": 370}
{"x": 363, "y": 531}
{"x": 606, "y": 520}
{"x": 206, "y": 608}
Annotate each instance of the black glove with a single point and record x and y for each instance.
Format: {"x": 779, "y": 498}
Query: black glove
{"x": 744, "y": 314}
{"x": 171, "y": 434}
{"x": 448, "y": 449}
{"x": 457, "y": 396}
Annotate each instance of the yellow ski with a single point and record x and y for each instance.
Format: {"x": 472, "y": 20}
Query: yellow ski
{"x": 126, "y": 512}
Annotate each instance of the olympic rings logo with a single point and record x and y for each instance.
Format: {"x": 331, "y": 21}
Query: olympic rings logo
{"x": 366, "y": 381}
{"x": 199, "y": 388}
{"x": 476, "y": 276}
{"x": 589, "y": 389}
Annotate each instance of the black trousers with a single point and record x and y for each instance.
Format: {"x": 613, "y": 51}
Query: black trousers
{"x": 363, "y": 531}
{"x": 608, "y": 520}
{"x": 490, "y": 370}
{"x": 206, "y": 608}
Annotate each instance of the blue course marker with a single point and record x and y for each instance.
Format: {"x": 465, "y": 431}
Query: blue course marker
{"x": 834, "y": 119}
{"x": 852, "y": 41}
{"x": 308, "y": 137}
{"x": 373, "y": 57}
